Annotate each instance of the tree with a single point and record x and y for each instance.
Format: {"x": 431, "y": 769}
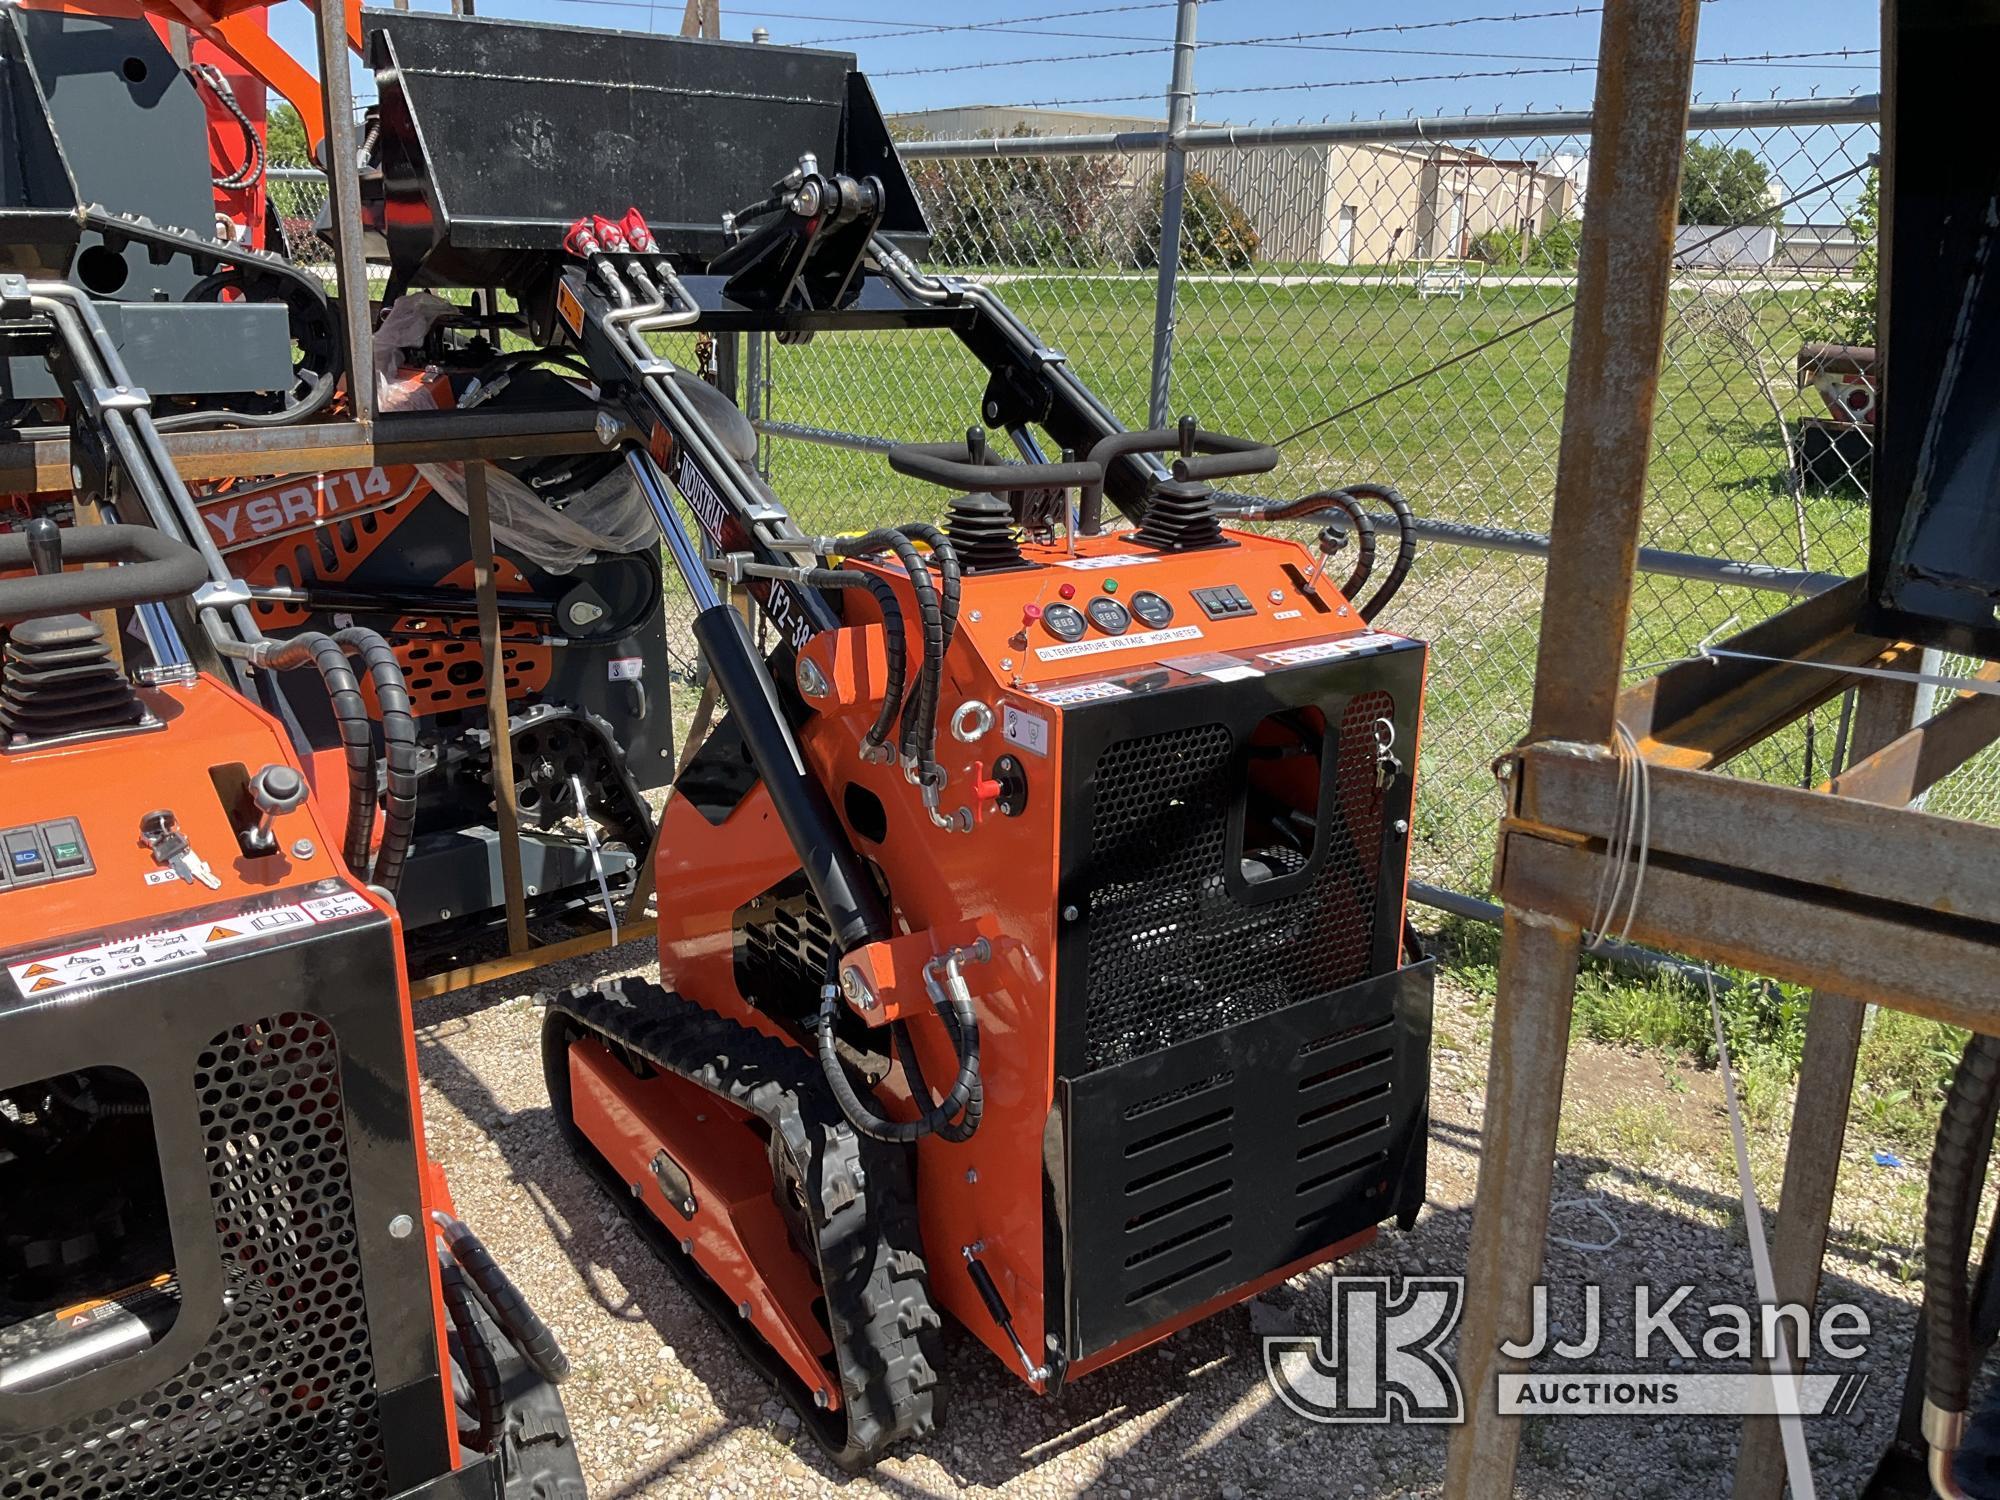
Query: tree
{"x": 285, "y": 138}
{"x": 1850, "y": 308}
{"x": 1724, "y": 186}
{"x": 1216, "y": 235}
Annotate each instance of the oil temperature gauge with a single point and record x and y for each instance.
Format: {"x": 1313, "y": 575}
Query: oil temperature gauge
{"x": 1108, "y": 615}
{"x": 1153, "y": 611}
{"x": 1063, "y": 622}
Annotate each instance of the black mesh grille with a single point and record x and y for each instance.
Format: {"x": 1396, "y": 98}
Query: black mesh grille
{"x": 280, "y": 1401}
{"x": 1173, "y": 954}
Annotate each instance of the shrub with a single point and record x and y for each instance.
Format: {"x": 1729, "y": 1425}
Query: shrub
{"x": 1501, "y": 247}
{"x": 1557, "y": 249}
{"x": 1216, "y": 235}
{"x": 1024, "y": 210}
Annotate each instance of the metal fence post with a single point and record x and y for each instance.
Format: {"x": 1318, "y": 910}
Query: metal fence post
{"x": 1180, "y": 113}
{"x": 1645, "y": 70}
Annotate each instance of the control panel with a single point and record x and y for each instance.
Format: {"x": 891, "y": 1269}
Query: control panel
{"x": 39, "y": 852}
{"x": 1224, "y": 602}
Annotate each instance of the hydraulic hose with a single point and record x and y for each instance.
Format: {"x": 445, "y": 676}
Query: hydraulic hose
{"x": 948, "y": 588}
{"x": 1364, "y": 530}
{"x": 895, "y": 643}
{"x": 503, "y": 1301}
{"x": 1406, "y": 544}
{"x": 399, "y": 742}
{"x": 930, "y": 613}
{"x": 476, "y": 1362}
{"x": 957, "y": 1115}
{"x": 350, "y": 717}
{"x": 1958, "y": 1174}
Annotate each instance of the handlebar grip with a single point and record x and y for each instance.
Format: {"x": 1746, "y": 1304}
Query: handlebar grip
{"x": 1216, "y": 456}
{"x": 1225, "y": 462}
{"x": 153, "y": 566}
{"x": 945, "y": 464}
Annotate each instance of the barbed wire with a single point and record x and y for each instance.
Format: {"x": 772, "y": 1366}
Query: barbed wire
{"x": 1771, "y": 60}
{"x": 999, "y": 24}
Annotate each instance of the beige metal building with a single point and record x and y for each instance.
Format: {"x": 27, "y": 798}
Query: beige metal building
{"x": 1338, "y": 204}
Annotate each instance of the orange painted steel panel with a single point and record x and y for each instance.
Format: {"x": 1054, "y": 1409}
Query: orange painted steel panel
{"x": 736, "y": 1234}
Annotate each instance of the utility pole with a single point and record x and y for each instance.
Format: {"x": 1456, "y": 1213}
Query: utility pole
{"x": 702, "y": 18}
{"x": 1180, "y": 113}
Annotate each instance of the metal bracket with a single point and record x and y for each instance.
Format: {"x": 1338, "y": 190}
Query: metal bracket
{"x": 219, "y": 596}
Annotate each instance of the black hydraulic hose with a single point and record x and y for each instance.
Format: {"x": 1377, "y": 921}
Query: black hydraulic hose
{"x": 253, "y": 144}
{"x": 481, "y": 1370}
{"x": 399, "y": 743}
{"x": 503, "y": 1301}
{"x": 351, "y": 719}
{"x": 762, "y": 208}
{"x": 1958, "y": 1174}
{"x": 859, "y": 1113}
{"x": 948, "y": 590}
{"x": 1364, "y": 530}
{"x": 929, "y": 612}
{"x": 953, "y": 1124}
{"x": 1406, "y": 545}
{"x": 895, "y": 643}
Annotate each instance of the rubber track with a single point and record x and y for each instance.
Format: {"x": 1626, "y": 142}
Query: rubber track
{"x": 885, "y": 1332}
{"x": 209, "y": 255}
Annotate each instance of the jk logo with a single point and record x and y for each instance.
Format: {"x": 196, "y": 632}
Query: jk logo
{"x": 1381, "y": 1361}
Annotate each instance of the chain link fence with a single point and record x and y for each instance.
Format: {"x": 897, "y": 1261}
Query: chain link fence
{"x": 1393, "y": 298}
{"x": 1397, "y": 295}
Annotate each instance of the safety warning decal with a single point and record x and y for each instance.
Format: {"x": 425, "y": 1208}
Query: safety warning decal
{"x": 1112, "y": 560}
{"x": 1029, "y": 731}
{"x": 1347, "y": 645}
{"x": 1081, "y": 692}
{"x": 56, "y": 972}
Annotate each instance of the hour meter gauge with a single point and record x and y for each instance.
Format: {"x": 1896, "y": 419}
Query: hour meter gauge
{"x": 1152, "y": 610}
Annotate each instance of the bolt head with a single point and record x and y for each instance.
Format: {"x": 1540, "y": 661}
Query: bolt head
{"x": 303, "y": 849}
{"x": 687, "y": 1247}
{"x": 1401, "y": 825}
{"x": 402, "y": 1227}
{"x": 1277, "y": 596}
{"x": 743, "y": 1309}
{"x": 1070, "y": 914}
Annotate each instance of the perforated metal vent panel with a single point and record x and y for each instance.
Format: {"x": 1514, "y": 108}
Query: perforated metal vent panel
{"x": 280, "y": 1401}
{"x": 1172, "y": 953}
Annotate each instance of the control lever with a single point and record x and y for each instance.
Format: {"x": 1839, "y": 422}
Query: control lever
{"x": 162, "y": 832}
{"x": 44, "y": 545}
{"x": 275, "y": 789}
{"x": 596, "y": 854}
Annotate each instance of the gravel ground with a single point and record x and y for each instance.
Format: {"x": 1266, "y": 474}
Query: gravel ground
{"x": 663, "y": 1406}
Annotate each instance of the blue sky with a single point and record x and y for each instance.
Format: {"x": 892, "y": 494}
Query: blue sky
{"x": 1307, "y": 77}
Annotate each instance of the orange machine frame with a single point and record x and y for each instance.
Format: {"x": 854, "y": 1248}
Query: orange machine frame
{"x": 1008, "y": 864}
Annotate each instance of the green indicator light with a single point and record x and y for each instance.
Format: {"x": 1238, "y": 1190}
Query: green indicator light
{"x": 1110, "y": 585}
